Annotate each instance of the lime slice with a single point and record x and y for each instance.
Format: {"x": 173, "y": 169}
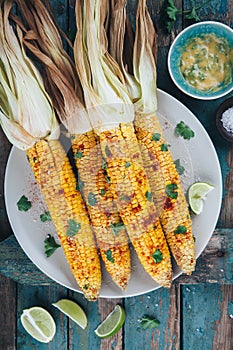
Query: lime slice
{"x": 39, "y": 324}
{"x": 73, "y": 311}
{"x": 112, "y": 323}
{"x": 197, "y": 193}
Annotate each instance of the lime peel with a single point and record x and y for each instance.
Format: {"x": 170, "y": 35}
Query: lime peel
{"x": 73, "y": 311}
{"x": 197, "y": 194}
{"x": 112, "y": 323}
{"x": 39, "y": 324}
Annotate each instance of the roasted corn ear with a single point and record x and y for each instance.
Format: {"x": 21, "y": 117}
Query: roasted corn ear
{"x": 56, "y": 180}
{"x": 131, "y": 190}
{"x": 107, "y": 225}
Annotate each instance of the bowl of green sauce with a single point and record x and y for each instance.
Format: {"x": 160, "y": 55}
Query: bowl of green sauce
{"x": 200, "y": 60}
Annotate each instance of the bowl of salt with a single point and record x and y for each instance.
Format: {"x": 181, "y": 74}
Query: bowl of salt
{"x": 224, "y": 119}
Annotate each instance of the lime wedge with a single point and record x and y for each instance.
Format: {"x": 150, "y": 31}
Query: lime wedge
{"x": 112, "y": 323}
{"x": 73, "y": 311}
{"x": 197, "y": 193}
{"x": 39, "y": 324}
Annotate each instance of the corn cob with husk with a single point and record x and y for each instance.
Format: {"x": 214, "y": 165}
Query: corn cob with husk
{"x": 111, "y": 114}
{"x": 107, "y": 225}
{"x": 158, "y": 162}
{"x": 28, "y": 119}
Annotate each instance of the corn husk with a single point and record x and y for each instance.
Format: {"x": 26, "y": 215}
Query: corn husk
{"x": 26, "y": 112}
{"x": 43, "y": 38}
{"x": 106, "y": 97}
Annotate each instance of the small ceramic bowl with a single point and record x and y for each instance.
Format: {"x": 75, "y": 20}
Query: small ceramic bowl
{"x": 225, "y": 106}
{"x": 177, "y": 47}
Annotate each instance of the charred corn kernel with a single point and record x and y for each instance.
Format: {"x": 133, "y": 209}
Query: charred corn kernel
{"x": 109, "y": 230}
{"x": 130, "y": 188}
{"x": 167, "y": 189}
{"x": 56, "y": 180}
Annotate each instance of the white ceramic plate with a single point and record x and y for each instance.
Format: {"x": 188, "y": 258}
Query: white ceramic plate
{"x": 197, "y": 155}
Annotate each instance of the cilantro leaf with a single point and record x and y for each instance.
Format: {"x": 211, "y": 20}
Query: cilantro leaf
{"x": 171, "y": 191}
{"x": 148, "y": 322}
{"x": 116, "y": 227}
{"x": 157, "y": 256}
{"x": 180, "y": 230}
{"x": 50, "y": 245}
{"x": 180, "y": 169}
{"x": 156, "y": 136}
{"x": 172, "y": 10}
{"x": 45, "y": 216}
{"x": 78, "y": 155}
{"x": 184, "y": 130}
{"x": 164, "y": 147}
{"x": 24, "y": 204}
{"x": 149, "y": 196}
{"x": 73, "y": 228}
{"x": 109, "y": 255}
{"x": 91, "y": 199}
{"x": 127, "y": 164}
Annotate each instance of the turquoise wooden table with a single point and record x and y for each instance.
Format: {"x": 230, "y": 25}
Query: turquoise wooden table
{"x": 197, "y": 312}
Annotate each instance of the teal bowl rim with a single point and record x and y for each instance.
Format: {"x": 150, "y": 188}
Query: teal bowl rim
{"x": 176, "y": 49}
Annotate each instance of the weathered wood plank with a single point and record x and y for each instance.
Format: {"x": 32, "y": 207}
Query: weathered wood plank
{"x": 161, "y": 304}
{"x": 204, "y": 308}
{"x": 223, "y": 337}
{"x": 7, "y": 313}
{"x": 214, "y": 265}
{"x": 4, "y": 223}
{"x": 44, "y": 297}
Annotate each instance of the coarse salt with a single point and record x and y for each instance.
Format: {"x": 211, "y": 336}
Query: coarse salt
{"x": 227, "y": 120}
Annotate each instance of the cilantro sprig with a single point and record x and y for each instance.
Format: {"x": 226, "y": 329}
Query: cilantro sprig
{"x": 172, "y": 13}
{"x": 148, "y": 322}
{"x": 50, "y": 245}
{"x": 24, "y": 204}
{"x": 184, "y": 130}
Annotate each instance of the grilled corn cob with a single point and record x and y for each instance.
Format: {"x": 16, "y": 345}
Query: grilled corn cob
{"x": 174, "y": 216}
{"x": 107, "y": 225}
{"x": 130, "y": 187}
{"x": 54, "y": 175}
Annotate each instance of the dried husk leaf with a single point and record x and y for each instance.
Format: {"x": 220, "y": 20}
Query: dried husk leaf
{"x": 43, "y": 39}
{"x": 117, "y": 43}
{"x": 105, "y": 96}
{"x": 26, "y": 110}
{"x": 144, "y": 62}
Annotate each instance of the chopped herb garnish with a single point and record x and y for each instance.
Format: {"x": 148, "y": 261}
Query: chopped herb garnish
{"x": 102, "y": 192}
{"x": 109, "y": 255}
{"x": 180, "y": 230}
{"x": 34, "y": 159}
{"x": 86, "y": 286}
{"x": 116, "y": 227}
{"x": 73, "y": 228}
{"x": 127, "y": 164}
{"x": 164, "y": 147}
{"x": 79, "y": 185}
{"x": 104, "y": 165}
{"x": 72, "y": 137}
{"x": 171, "y": 191}
{"x": 108, "y": 152}
{"x": 45, "y": 216}
{"x": 148, "y": 322}
{"x": 172, "y": 12}
{"x": 180, "y": 169}
{"x": 24, "y": 204}
{"x": 156, "y": 136}
{"x": 78, "y": 155}
{"x": 157, "y": 256}
{"x": 184, "y": 130}
{"x": 108, "y": 179}
{"x": 50, "y": 246}
{"x": 91, "y": 199}
{"x": 149, "y": 196}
